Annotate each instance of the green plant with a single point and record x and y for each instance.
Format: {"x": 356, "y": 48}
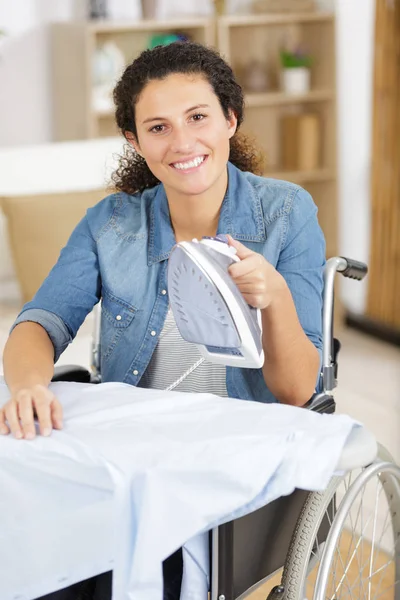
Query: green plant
{"x": 291, "y": 60}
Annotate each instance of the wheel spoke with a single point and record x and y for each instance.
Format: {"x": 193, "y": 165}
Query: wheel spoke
{"x": 361, "y": 541}
{"x": 360, "y": 548}
{"x": 354, "y": 555}
{"x": 344, "y": 576}
{"x": 383, "y": 572}
{"x": 361, "y": 586}
{"x": 373, "y": 544}
{"x": 383, "y": 567}
{"x": 347, "y": 483}
{"x": 385, "y": 527}
{"x": 384, "y": 530}
{"x": 353, "y": 532}
{"x": 357, "y": 545}
{"x": 381, "y": 579}
{"x": 387, "y": 589}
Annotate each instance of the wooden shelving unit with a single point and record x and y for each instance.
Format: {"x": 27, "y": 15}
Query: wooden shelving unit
{"x": 261, "y": 19}
{"x": 280, "y": 98}
{"x": 73, "y": 46}
{"x": 240, "y": 39}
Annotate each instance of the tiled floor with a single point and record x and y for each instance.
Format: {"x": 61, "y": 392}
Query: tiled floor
{"x": 369, "y": 377}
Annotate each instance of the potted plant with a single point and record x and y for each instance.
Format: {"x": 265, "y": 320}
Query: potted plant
{"x": 295, "y": 71}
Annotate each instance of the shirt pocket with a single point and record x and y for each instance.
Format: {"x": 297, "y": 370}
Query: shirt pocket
{"x": 118, "y": 313}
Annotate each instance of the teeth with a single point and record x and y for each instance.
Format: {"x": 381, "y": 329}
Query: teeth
{"x": 189, "y": 165}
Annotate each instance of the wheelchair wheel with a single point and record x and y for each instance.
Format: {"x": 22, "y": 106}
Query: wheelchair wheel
{"x": 360, "y": 556}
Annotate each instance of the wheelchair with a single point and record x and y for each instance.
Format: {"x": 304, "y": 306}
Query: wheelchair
{"x": 342, "y": 543}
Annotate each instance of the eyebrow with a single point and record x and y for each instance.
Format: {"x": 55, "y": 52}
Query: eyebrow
{"x": 186, "y": 112}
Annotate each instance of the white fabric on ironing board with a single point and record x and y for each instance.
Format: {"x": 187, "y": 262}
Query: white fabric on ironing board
{"x": 135, "y": 474}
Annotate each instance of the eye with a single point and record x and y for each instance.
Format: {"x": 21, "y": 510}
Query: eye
{"x": 198, "y": 117}
{"x": 157, "y": 128}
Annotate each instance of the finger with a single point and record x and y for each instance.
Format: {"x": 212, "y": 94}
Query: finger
{"x": 4, "y": 430}
{"x": 248, "y": 265}
{"x": 253, "y": 300}
{"x": 43, "y": 411}
{"x": 56, "y": 414}
{"x": 252, "y": 288}
{"x": 241, "y": 250}
{"x": 13, "y": 419}
{"x": 25, "y": 411}
{"x": 254, "y": 277}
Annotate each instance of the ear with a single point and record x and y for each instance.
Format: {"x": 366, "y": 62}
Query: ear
{"x": 232, "y": 124}
{"x": 131, "y": 139}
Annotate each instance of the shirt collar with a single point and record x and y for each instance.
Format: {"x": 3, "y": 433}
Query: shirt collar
{"x": 241, "y": 216}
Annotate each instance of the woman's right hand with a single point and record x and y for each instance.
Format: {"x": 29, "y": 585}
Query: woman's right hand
{"x": 18, "y": 414}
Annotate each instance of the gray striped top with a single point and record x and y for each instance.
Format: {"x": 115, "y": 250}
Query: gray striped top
{"x": 177, "y": 364}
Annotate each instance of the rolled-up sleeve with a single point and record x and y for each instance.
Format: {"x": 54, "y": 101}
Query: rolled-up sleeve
{"x": 54, "y": 326}
{"x": 302, "y": 261}
{"x": 69, "y": 292}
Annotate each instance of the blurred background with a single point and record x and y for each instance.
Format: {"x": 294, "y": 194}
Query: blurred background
{"x": 322, "y": 85}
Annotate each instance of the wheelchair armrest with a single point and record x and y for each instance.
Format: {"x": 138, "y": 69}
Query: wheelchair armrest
{"x": 71, "y": 373}
{"x": 321, "y": 403}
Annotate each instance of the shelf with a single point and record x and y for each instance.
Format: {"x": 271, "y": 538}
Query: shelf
{"x": 147, "y": 25}
{"x": 278, "y": 98}
{"x": 302, "y": 176}
{"x": 275, "y": 18}
{"x": 259, "y": 100}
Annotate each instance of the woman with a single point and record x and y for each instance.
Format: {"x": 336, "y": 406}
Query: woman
{"x": 187, "y": 173}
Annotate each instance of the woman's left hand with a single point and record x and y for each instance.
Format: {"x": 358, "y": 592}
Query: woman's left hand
{"x": 259, "y": 282}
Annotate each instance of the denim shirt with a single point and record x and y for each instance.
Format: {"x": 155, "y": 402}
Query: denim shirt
{"x": 119, "y": 253}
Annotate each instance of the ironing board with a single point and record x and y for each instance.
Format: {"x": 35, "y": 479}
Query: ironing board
{"x": 74, "y": 488}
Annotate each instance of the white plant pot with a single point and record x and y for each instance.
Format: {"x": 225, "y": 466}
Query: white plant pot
{"x": 296, "y": 80}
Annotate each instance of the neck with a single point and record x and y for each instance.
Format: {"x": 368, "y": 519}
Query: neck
{"x": 194, "y": 216}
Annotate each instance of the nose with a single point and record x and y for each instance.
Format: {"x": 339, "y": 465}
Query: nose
{"x": 182, "y": 140}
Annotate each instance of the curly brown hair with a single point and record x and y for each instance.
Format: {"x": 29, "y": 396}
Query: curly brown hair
{"x": 133, "y": 175}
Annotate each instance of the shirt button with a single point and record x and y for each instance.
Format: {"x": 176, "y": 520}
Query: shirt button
{"x": 118, "y": 317}
{"x": 136, "y": 372}
{"x": 163, "y": 292}
{"x": 153, "y": 333}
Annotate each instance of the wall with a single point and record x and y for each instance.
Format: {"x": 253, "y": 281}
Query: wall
{"x": 25, "y": 96}
{"x": 355, "y": 33}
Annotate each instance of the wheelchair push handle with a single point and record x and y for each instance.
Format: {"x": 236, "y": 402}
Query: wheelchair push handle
{"x": 354, "y": 269}
{"x": 349, "y": 268}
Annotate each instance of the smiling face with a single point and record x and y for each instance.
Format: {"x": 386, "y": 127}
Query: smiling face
{"x": 183, "y": 134}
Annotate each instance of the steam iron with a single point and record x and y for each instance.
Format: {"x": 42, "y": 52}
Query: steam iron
{"x": 208, "y": 307}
